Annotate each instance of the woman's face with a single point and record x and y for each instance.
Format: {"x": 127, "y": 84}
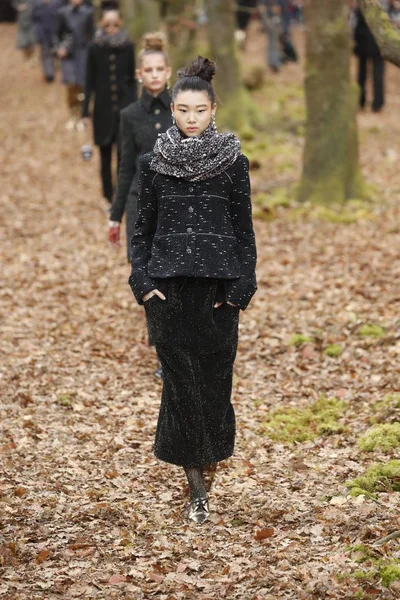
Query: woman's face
{"x": 154, "y": 72}
{"x": 193, "y": 110}
{"x": 111, "y": 22}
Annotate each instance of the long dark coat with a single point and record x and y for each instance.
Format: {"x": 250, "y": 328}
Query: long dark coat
{"x": 44, "y": 18}
{"x": 140, "y": 125}
{"x": 78, "y": 22}
{"x": 110, "y": 78}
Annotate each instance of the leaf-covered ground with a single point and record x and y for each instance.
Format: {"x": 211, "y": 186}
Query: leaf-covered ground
{"x": 86, "y": 511}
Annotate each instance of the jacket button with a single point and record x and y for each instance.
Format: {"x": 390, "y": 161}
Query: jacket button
{"x": 191, "y": 209}
{"x": 191, "y": 189}
{"x": 157, "y": 111}
{"x": 114, "y": 97}
{"x": 189, "y": 250}
{"x": 157, "y": 125}
{"x": 189, "y": 230}
{"x": 112, "y": 57}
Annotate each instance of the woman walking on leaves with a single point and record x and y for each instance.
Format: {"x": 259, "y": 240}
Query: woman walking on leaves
{"x": 141, "y": 123}
{"x": 193, "y": 261}
{"x": 110, "y": 78}
{"x": 74, "y": 32}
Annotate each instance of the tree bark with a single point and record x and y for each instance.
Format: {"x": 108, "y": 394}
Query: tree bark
{"x": 386, "y": 34}
{"x": 181, "y": 27}
{"x": 141, "y": 16}
{"x": 233, "y": 112}
{"x": 331, "y": 173}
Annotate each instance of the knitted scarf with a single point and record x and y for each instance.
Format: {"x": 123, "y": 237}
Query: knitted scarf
{"x": 116, "y": 40}
{"x": 195, "y": 158}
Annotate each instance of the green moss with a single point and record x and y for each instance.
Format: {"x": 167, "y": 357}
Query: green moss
{"x": 390, "y": 573}
{"x": 378, "y": 568}
{"x": 65, "y": 400}
{"x": 389, "y": 403}
{"x": 333, "y": 350}
{"x": 298, "y": 338}
{"x": 380, "y": 477}
{"x": 371, "y": 330}
{"x": 383, "y": 437}
{"x": 302, "y": 424}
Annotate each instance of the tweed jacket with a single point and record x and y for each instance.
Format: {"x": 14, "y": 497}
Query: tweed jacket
{"x": 195, "y": 229}
{"x": 141, "y": 123}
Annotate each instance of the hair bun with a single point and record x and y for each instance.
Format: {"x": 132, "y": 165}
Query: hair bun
{"x": 154, "y": 42}
{"x": 200, "y": 67}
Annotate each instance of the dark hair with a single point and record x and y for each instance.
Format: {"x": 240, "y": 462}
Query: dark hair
{"x": 197, "y": 78}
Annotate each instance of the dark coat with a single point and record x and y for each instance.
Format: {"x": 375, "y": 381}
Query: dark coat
{"x": 195, "y": 229}
{"x": 110, "y": 78}
{"x": 44, "y": 17}
{"x": 365, "y": 44}
{"x": 140, "y": 125}
{"x": 76, "y": 23}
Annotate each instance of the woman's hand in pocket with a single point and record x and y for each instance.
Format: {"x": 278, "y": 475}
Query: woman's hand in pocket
{"x": 218, "y": 304}
{"x": 154, "y": 292}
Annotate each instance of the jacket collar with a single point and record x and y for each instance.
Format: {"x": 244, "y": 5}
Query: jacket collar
{"x": 147, "y": 99}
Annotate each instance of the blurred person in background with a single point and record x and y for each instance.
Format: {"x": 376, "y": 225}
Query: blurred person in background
{"x": 141, "y": 123}
{"x": 110, "y": 80}
{"x": 244, "y": 12}
{"x": 367, "y": 51}
{"x": 74, "y": 31}
{"x": 394, "y": 12}
{"x": 25, "y": 32}
{"x": 44, "y": 18}
{"x": 275, "y": 18}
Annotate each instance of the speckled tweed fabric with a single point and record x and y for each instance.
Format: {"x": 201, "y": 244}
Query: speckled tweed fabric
{"x": 196, "y": 344}
{"x": 195, "y": 229}
{"x": 195, "y": 158}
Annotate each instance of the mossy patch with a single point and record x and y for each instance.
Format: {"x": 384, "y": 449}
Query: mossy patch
{"x": 298, "y": 339}
{"x": 379, "y": 477}
{"x": 390, "y": 402}
{"x": 383, "y": 437}
{"x": 371, "y": 330}
{"x": 303, "y": 424}
{"x": 333, "y": 350}
{"x": 65, "y": 400}
{"x": 377, "y": 569}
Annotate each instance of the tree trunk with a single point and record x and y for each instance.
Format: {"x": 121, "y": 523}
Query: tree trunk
{"x": 331, "y": 173}
{"x": 386, "y": 34}
{"x": 181, "y": 27}
{"x": 141, "y": 16}
{"x": 233, "y": 112}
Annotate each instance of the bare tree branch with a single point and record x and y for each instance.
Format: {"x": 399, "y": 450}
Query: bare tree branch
{"x": 386, "y": 34}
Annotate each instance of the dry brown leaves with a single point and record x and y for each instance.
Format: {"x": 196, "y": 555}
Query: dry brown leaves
{"x": 86, "y": 511}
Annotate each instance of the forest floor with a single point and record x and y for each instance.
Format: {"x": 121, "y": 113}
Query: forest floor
{"x": 86, "y": 510}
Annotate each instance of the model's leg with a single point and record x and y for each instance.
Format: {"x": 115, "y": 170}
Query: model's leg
{"x": 198, "y": 510}
{"x": 105, "y": 171}
{"x": 47, "y": 62}
{"x": 379, "y": 89}
{"x": 362, "y": 79}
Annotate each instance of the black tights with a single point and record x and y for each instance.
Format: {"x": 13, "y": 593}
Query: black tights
{"x": 197, "y": 488}
{"x": 105, "y": 169}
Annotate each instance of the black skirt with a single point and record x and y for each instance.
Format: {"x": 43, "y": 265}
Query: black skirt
{"x": 196, "y": 344}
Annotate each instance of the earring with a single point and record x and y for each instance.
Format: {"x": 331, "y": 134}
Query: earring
{"x": 173, "y": 119}
{"x": 140, "y": 80}
{"x": 213, "y": 122}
